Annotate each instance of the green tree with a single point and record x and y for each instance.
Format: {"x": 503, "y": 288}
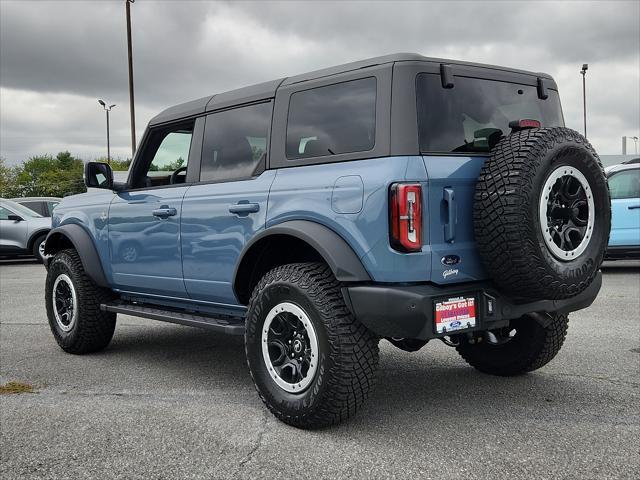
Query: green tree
{"x": 45, "y": 175}
{"x": 117, "y": 165}
{"x": 7, "y": 180}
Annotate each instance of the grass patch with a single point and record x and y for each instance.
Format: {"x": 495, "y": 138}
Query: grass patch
{"x": 16, "y": 387}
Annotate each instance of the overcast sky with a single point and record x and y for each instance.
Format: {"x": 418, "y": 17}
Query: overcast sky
{"x": 58, "y": 57}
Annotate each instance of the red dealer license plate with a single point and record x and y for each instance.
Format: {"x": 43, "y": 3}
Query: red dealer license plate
{"x": 455, "y": 314}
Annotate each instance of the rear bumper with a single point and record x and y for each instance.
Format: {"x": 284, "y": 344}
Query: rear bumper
{"x": 408, "y": 311}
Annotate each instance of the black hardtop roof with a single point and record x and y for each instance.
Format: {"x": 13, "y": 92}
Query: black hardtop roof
{"x": 268, "y": 89}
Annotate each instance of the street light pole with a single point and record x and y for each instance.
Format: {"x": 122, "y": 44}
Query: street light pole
{"x": 585, "y": 67}
{"x": 130, "y": 58}
{"x": 107, "y": 109}
{"x": 624, "y": 144}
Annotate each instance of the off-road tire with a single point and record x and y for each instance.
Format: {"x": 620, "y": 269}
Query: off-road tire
{"x": 348, "y": 352}
{"x": 507, "y": 225}
{"x": 93, "y": 328}
{"x": 35, "y": 248}
{"x": 537, "y": 341}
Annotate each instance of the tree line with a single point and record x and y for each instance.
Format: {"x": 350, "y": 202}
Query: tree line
{"x": 47, "y": 176}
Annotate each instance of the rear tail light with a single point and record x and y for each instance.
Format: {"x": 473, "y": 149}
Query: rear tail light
{"x": 523, "y": 124}
{"x": 405, "y": 212}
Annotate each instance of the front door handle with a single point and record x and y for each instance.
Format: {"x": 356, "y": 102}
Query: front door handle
{"x": 449, "y": 198}
{"x": 164, "y": 212}
{"x": 633, "y": 207}
{"x": 244, "y": 208}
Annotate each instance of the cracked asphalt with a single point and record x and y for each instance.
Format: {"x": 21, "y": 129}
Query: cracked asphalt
{"x": 165, "y": 402}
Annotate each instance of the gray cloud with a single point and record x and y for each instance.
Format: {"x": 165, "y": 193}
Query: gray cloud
{"x": 56, "y": 58}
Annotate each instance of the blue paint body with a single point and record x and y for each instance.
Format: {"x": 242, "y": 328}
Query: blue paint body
{"x": 625, "y": 222}
{"x": 190, "y": 257}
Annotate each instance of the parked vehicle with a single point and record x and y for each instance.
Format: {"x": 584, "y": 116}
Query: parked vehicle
{"x": 624, "y": 185}
{"x": 41, "y": 205}
{"x": 400, "y": 197}
{"x": 22, "y": 231}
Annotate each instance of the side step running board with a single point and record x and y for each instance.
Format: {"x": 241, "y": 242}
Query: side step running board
{"x": 228, "y": 325}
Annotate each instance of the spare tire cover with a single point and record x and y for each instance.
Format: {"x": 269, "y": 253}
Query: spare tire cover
{"x": 542, "y": 213}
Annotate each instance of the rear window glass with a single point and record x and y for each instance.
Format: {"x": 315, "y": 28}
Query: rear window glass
{"x": 335, "y": 119}
{"x": 464, "y": 118}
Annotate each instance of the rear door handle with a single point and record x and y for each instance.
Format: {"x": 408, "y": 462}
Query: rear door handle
{"x": 164, "y": 212}
{"x": 633, "y": 207}
{"x": 450, "y": 224}
{"x": 244, "y": 208}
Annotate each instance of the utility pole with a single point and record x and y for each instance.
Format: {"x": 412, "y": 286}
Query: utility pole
{"x": 107, "y": 109}
{"x": 585, "y": 67}
{"x": 130, "y": 57}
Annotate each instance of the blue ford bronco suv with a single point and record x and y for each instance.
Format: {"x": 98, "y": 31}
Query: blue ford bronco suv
{"x": 402, "y": 198}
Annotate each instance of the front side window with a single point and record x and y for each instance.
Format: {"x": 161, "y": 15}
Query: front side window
{"x": 475, "y": 112}
{"x": 24, "y": 212}
{"x": 4, "y": 213}
{"x": 339, "y": 118}
{"x": 625, "y": 184}
{"x": 165, "y": 156}
{"x": 235, "y": 143}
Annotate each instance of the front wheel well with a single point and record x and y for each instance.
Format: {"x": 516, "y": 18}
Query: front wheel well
{"x": 56, "y": 242}
{"x": 266, "y": 254}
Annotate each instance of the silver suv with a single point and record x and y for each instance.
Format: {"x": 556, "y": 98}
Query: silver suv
{"x": 22, "y": 231}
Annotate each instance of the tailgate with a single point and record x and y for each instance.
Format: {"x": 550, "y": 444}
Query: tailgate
{"x": 451, "y": 186}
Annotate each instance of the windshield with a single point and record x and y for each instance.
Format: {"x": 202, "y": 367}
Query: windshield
{"x": 19, "y": 209}
{"x": 475, "y": 113}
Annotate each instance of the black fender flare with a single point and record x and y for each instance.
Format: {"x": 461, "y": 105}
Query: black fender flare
{"x": 60, "y": 237}
{"x": 335, "y": 251}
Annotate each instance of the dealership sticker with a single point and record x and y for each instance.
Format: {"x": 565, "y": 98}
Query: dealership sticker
{"x": 455, "y": 314}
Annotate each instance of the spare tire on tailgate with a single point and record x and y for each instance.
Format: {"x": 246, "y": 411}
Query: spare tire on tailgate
{"x": 542, "y": 213}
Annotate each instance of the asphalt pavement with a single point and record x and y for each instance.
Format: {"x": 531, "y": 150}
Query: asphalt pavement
{"x": 166, "y": 401}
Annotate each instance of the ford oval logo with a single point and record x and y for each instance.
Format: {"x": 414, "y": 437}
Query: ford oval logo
{"x": 455, "y": 324}
{"x": 449, "y": 260}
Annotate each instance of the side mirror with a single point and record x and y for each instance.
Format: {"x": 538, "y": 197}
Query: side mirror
{"x": 15, "y": 218}
{"x": 98, "y": 175}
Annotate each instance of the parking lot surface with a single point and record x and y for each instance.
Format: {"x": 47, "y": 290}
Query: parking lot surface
{"x": 165, "y": 401}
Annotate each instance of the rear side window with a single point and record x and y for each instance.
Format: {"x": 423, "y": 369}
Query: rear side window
{"x": 339, "y": 118}
{"x": 235, "y": 143}
{"x": 625, "y": 184}
{"x": 463, "y": 118}
{"x": 35, "y": 206}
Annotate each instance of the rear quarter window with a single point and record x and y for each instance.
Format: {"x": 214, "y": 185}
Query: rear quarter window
{"x": 461, "y": 119}
{"x": 333, "y": 119}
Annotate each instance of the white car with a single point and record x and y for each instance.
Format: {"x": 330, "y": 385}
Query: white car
{"x": 22, "y": 231}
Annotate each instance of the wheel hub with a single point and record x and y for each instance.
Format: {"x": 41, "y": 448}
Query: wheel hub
{"x": 65, "y": 302}
{"x": 567, "y": 213}
{"x": 290, "y": 347}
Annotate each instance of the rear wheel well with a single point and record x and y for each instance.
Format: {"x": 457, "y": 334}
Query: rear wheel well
{"x": 267, "y": 254}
